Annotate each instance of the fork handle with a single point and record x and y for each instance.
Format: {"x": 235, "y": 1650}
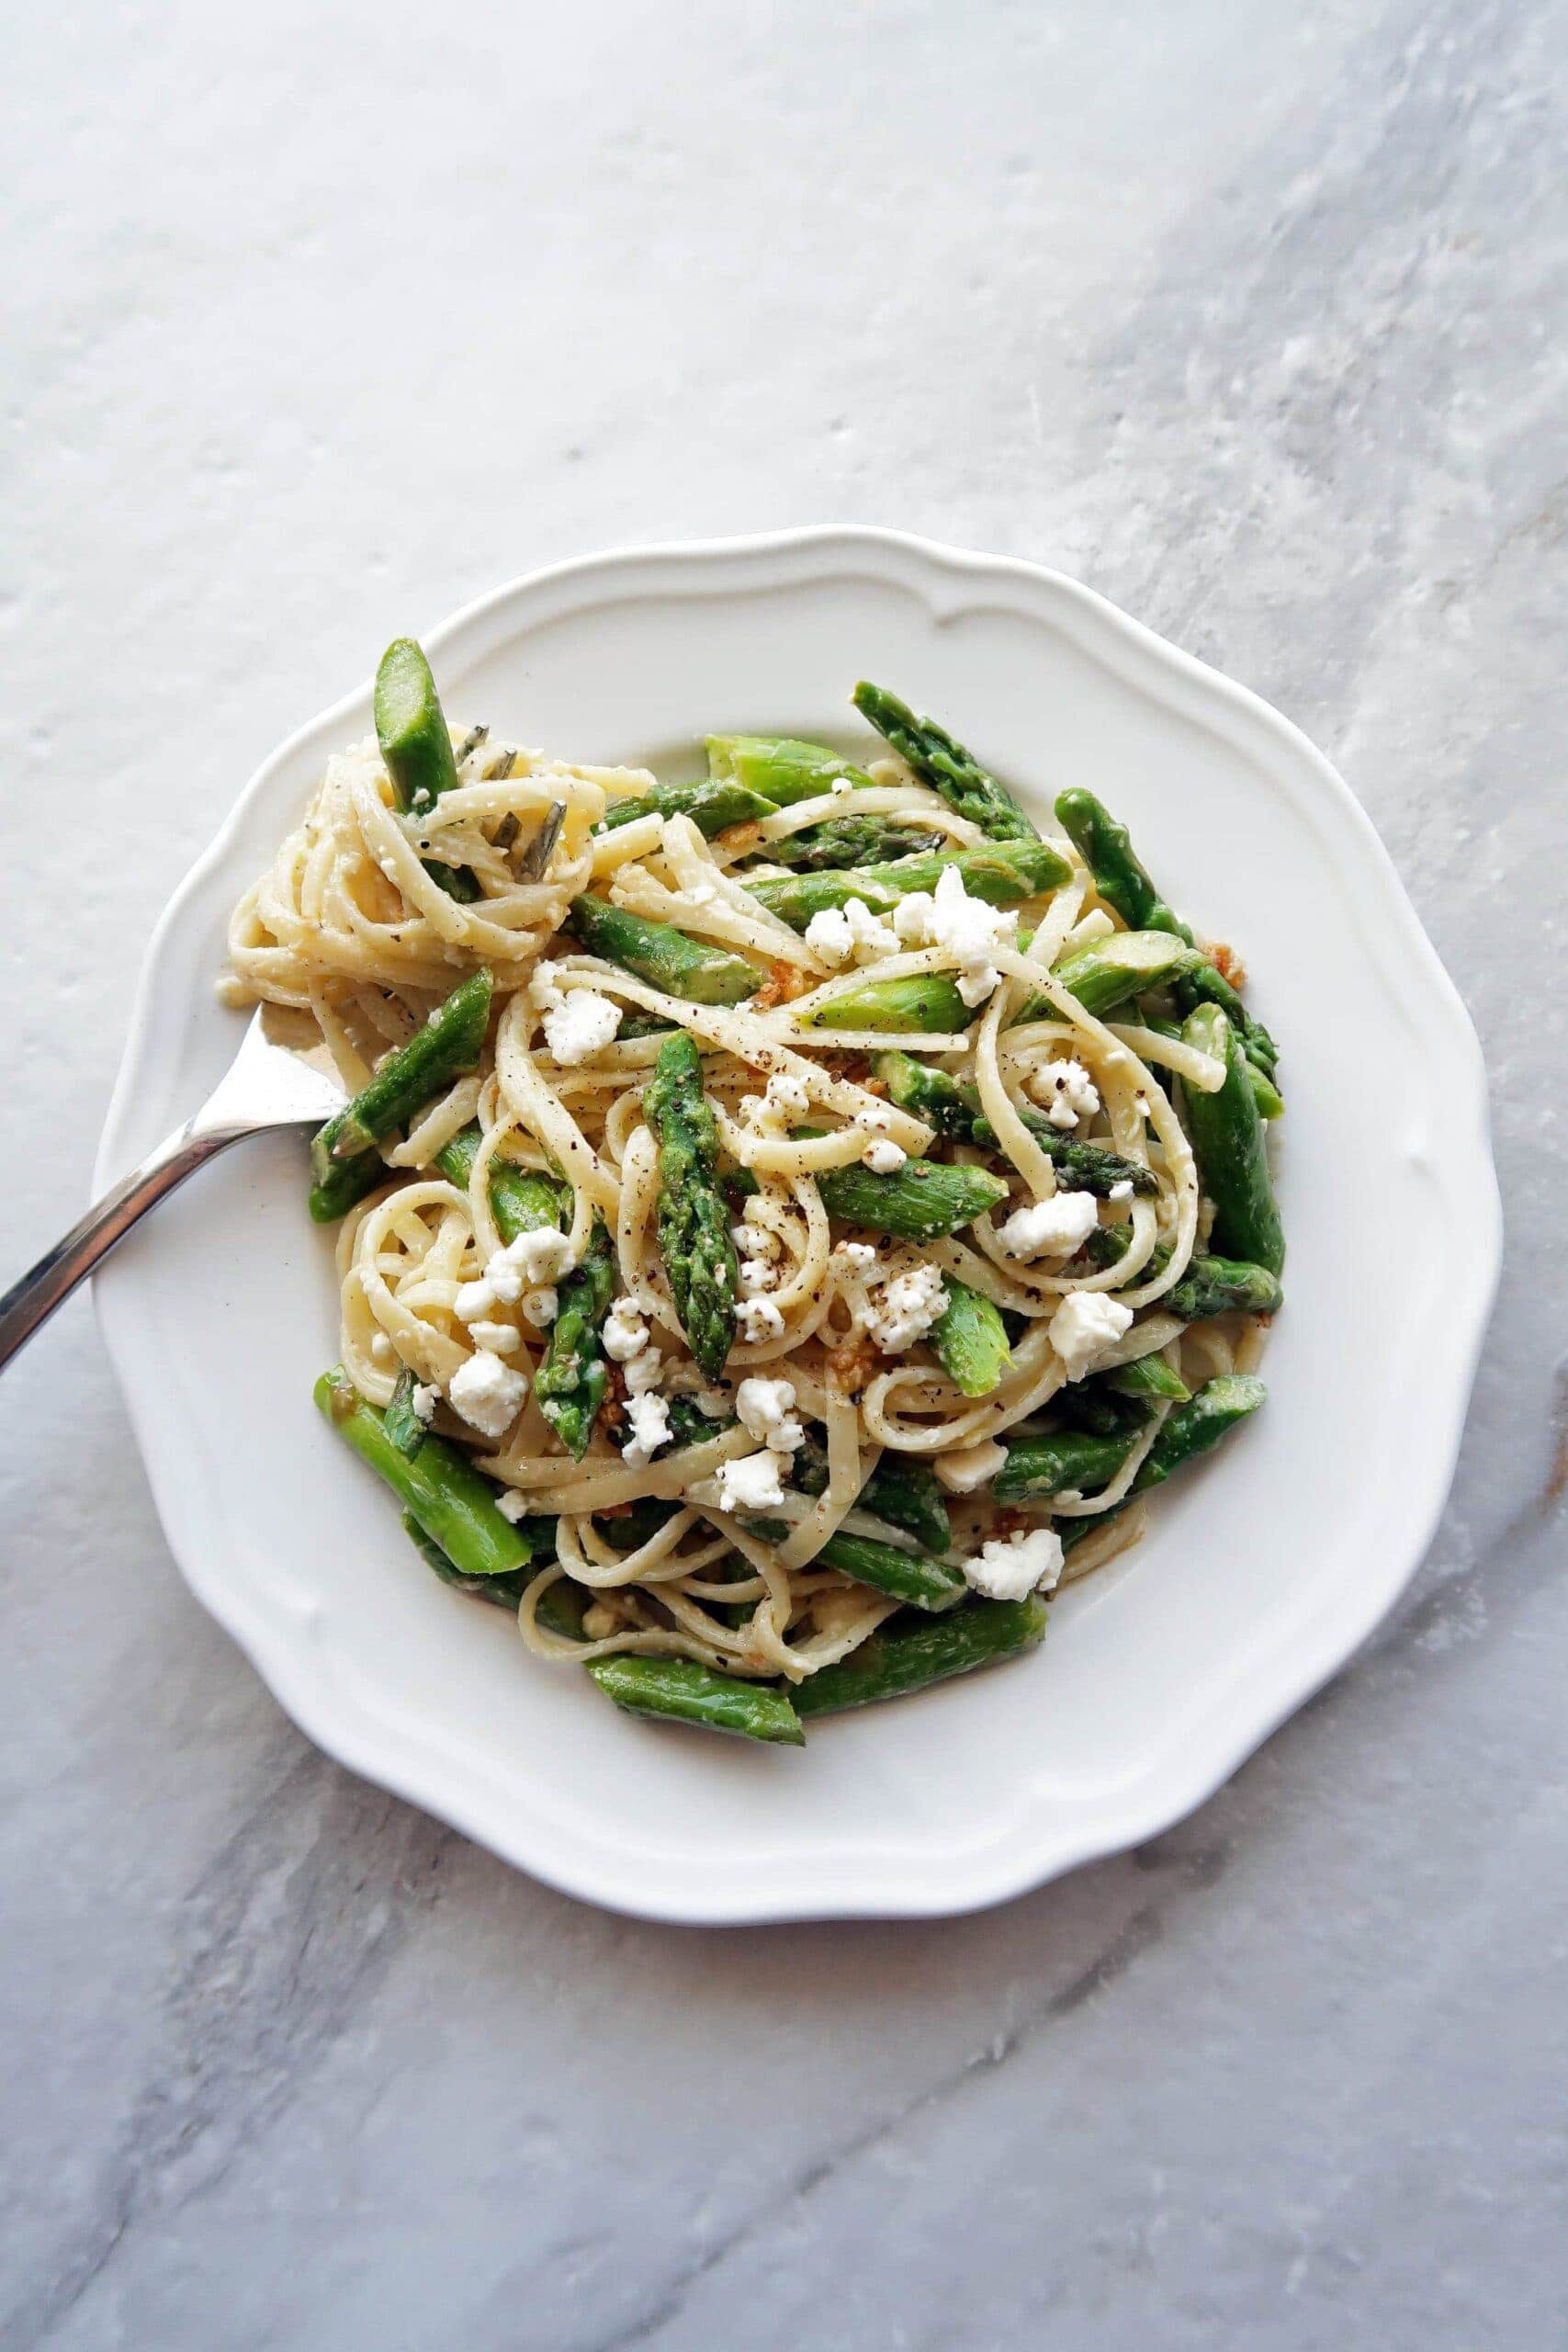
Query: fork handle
{"x": 28, "y": 1301}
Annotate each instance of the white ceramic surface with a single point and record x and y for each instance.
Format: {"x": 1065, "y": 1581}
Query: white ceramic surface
{"x": 1261, "y": 1572}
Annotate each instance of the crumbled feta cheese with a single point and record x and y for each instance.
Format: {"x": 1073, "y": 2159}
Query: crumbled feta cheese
{"x": 968, "y": 1466}
{"x": 1049, "y": 1228}
{"x": 1122, "y": 1190}
{"x": 474, "y": 1299}
{"x": 1066, "y": 1092}
{"x": 541, "y": 1308}
{"x": 545, "y": 990}
{"x": 884, "y": 1158}
{"x": 625, "y": 1333}
{"x": 755, "y": 1241}
{"x": 1086, "y": 1323}
{"x": 499, "y": 1338}
{"x": 488, "y": 1394}
{"x": 532, "y": 1260}
{"x": 786, "y": 1094}
{"x": 756, "y": 1274}
{"x": 1010, "y": 1567}
{"x": 751, "y": 1482}
{"x": 759, "y": 1318}
{"x": 649, "y": 1418}
{"x": 381, "y": 1348}
{"x": 857, "y": 1253}
{"x": 511, "y": 1505}
{"x": 425, "y": 1399}
{"x": 970, "y": 930}
{"x": 764, "y": 1409}
{"x": 838, "y": 934}
{"x": 644, "y": 1370}
{"x": 908, "y": 1307}
{"x": 582, "y": 1026}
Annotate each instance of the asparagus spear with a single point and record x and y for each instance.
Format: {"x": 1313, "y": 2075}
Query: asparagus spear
{"x": 945, "y": 765}
{"x": 1107, "y": 850}
{"x": 1209, "y": 1286}
{"x": 506, "y": 1591}
{"x": 1110, "y": 971}
{"x": 1122, "y": 881}
{"x": 683, "y": 1692}
{"x": 900, "y": 1489}
{"x": 693, "y": 1224}
{"x": 848, "y": 841}
{"x": 1228, "y": 1144}
{"x": 908, "y": 1576}
{"x": 453, "y": 1503}
{"x": 924, "y": 1200}
{"x": 1146, "y": 1376}
{"x": 520, "y": 1201}
{"x": 969, "y": 1339}
{"x": 1002, "y": 873}
{"x": 909, "y": 1655}
{"x": 403, "y": 1426}
{"x": 711, "y": 806}
{"x": 1069, "y": 1459}
{"x": 450, "y": 1043}
{"x": 1187, "y": 1431}
{"x": 1265, "y": 1093}
{"x": 929, "y": 1001}
{"x": 954, "y": 1109}
{"x": 572, "y": 1378}
{"x": 780, "y": 769}
{"x": 416, "y": 747}
{"x": 662, "y": 955}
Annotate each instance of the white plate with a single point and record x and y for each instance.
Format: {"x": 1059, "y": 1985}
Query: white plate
{"x": 1262, "y": 1570}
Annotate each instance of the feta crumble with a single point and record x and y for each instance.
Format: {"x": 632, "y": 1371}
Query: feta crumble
{"x": 533, "y": 1259}
{"x": 1010, "y": 1567}
{"x": 856, "y": 1253}
{"x": 852, "y": 931}
{"x": 764, "y": 1407}
{"x": 580, "y": 1025}
{"x": 1049, "y": 1229}
{"x": 751, "y": 1482}
{"x": 499, "y": 1338}
{"x": 488, "y": 1394}
{"x": 1084, "y": 1325}
{"x": 649, "y": 1417}
{"x": 759, "y": 1318}
{"x": 969, "y": 1466}
{"x": 908, "y": 1307}
{"x": 511, "y": 1505}
{"x": 381, "y": 1348}
{"x": 625, "y": 1331}
{"x": 541, "y": 1308}
{"x": 425, "y": 1399}
{"x": 1121, "y": 1192}
{"x": 970, "y": 930}
{"x": 884, "y": 1158}
{"x": 1065, "y": 1091}
{"x": 644, "y": 1370}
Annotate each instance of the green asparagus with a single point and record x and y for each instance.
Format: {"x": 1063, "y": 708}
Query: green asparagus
{"x": 923, "y": 1200}
{"x": 662, "y": 955}
{"x": 1209, "y": 1286}
{"x": 1107, "y": 850}
{"x": 520, "y": 1201}
{"x": 1145, "y": 1378}
{"x": 572, "y": 1378}
{"x": 847, "y": 840}
{"x": 693, "y": 1224}
{"x": 780, "y": 769}
{"x": 680, "y": 1690}
{"x": 999, "y": 874}
{"x": 1122, "y": 881}
{"x": 450, "y": 1044}
{"x": 909, "y": 1653}
{"x": 416, "y": 747}
{"x": 924, "y": 1000}
{"x": 969, "y": 1339}
{"x": 403, "y": 1426}
{"x": 452, "y": 1502}
{"x": 1228, "y": 1145}
{"x": 1110, "y": 971}
{"x": 506, "y": 1591}
{"x": 909, "y": 1577}
{"x": 1073, "y": 1461}
{"x": 954, "y": 1109}
{"x": 945, "y": 765}
{"x": 711, "y": 806}
{"x": 1190, "y": 1430}
{"x": 900, "y": 1490}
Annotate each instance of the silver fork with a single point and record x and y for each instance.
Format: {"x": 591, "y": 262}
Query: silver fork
{"x": 277, "y": 1080}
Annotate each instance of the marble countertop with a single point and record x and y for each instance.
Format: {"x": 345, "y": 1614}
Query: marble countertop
{"x": 1255, "y": 317}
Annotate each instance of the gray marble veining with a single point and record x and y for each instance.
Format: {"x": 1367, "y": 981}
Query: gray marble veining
{"x": 1256, "y": 318}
